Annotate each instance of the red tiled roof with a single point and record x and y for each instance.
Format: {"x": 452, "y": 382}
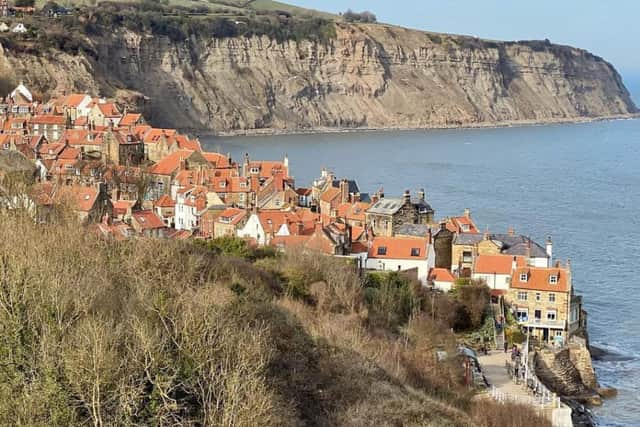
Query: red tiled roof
{"x": 538, "y": 278}
{"x": 219, "y": 161}
{"x": 170, "y": 163}
{"x": 164, "y": 202}
{"x": 498, "y": 264}
{"x": 399, "y": 248}
{"x": 147, "y": 220}
{"x": 456, "y": 224}
{"x": 330, "y": 195}
{"x": 48, "y": 119}
{"x": 441, "y": 275}
{"x": 130, "y": 119}
{"x": 231, "y": 216}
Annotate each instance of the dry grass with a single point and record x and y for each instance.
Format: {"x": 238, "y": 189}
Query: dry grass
{"x": 153, "y": 333}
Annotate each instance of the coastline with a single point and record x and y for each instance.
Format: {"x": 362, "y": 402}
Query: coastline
{"x": 480, "y": 125}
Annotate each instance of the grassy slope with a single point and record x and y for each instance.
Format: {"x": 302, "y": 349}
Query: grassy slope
{"x": 244, "y": 5}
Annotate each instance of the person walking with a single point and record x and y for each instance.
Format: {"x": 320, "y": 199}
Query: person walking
{"x": 506, "y": 346}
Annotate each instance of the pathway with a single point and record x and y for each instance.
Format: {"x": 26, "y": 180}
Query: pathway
{"x": 493, "y": 367}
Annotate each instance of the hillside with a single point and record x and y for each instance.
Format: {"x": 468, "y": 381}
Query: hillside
{"x": 150, "y": 332}
{"x": 240, "y": 69}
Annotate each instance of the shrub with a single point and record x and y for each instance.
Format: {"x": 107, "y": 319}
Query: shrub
{"x": 365, "y": 17}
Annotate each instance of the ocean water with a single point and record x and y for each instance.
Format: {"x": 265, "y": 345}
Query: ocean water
{"x": 579, "y": 183}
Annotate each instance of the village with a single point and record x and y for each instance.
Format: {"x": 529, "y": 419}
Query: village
{"x": 126, "y": 179}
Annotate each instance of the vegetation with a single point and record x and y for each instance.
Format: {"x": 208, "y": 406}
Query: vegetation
{"x": 176, "y": 332}
{"x": 365, "y": 17}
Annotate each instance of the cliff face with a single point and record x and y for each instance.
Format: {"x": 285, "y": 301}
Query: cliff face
{"x": 369, "y": 76}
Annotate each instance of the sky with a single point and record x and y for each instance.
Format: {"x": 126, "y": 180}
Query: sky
{"x": 607, "y": 28}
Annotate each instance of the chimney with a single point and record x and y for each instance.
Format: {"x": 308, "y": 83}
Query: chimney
{"x": 300, "y": 228}
{"x": 511, "y": 231}
{"x": 286, "y": 161}
{"x": 467, "y": 213}
{"x": 443, "y": 225}
{"x": 549, "y": 247}
{"x": 344, "y": 191}
{"x": 407, "y": 196}
{"x": 429, "y": 236}
{"x": 421, "y": 194}
{"x": 514, "y": 264}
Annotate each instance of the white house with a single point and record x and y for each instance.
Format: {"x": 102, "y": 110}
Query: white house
{"x": 19, "y": 28}
{"x": 441, "y": 279}
{"x": 266, "y": 225}
{"x": 496, "y": 270}
{"x": 21, "y": 94}
{"x": 190, "y": 205}
{"x": 401, "y": 254}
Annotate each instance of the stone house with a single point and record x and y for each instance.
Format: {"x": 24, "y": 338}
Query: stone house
{"x": 165, "y": 208}
{"x": 164, "y": 172}
{"x": 147, "y": 224}
{"x": 229, "y": 222}
{"x": 542, "y": 301}
{"x": 388, "y": 214}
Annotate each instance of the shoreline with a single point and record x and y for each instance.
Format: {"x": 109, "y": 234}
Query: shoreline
{"x": 469, "y": 126}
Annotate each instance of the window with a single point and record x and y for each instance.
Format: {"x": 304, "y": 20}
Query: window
{"x": 36, "y": 126}
{"x": 466, "y": 256}
{"x": 552, "y": 315}
{"x": 522, "y": 296}
{"x": 552, "y": 297}
{"x": 538, "y": 296}
{"x": 522, "y": 314}
{"x": 553, "y": 279}
{"x": 223, "y": 184}
{"x": 558, "y": 333}
{"x": 243, "y": 184}
{"x": 415, "y": 251}
{"x": 465, "y": 227}
{"x": 255, "y": 170}
{"x": 382, "y": 250}
{"x": 523, "y": 277}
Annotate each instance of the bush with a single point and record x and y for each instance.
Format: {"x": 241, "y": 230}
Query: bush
{"x": 364, "y": 17}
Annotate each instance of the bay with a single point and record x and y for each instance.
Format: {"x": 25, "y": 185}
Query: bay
{"x": 579, "y": 183}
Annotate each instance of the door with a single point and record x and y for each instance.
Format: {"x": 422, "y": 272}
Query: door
{"x": 545, "y": 334}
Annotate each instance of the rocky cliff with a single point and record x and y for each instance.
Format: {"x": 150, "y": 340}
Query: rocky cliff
{"x": 374, "y": 76}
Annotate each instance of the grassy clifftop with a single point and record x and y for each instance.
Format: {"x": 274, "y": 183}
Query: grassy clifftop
{"x": 155, "y": 333}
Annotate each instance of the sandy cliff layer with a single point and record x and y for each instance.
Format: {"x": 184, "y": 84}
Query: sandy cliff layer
{"x": 369, "y": 76}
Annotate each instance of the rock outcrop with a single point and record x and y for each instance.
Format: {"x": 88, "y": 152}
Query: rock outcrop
{"x": 369, "y": 76}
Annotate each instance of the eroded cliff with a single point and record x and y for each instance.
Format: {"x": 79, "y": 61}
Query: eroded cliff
{"x": 374, "y": 76}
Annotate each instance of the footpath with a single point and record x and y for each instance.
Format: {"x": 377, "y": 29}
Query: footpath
{"x": 504, "y": 389}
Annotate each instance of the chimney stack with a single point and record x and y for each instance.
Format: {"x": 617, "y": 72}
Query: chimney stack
{"x": 344, "y": 191}
{"x": 407, "y": 196}
{"x": 467, "y": 213}
{"x": 511, "y": 231}
{"x": 514, "y": 264}
{"x": 421, "y": 194}
{"x": 549, "y": 247}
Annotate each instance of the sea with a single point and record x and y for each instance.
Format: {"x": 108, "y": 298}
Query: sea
{"x": 578, "y": 183}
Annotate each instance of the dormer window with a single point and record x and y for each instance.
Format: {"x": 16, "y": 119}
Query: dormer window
{"x": 255, "y": 170}
{"x": 523, "y": 277}
{"x": 415, "y": 251}
{"x": 223, "y": 184}
{"x": 382, "y": 250}
{"x": 553, "y": 279}
{"x": 465, "y": 227}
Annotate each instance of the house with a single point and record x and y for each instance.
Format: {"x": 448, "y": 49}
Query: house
{"x": 75, "y": 105}
{"x": 51, "y": 126}
{"x": 123, "y": 209}
{"x": 496, "y": 270}
{"x": 263, "y": 226}
{"x": 90, "y": 204}
{"x": 90, "y": 142}
{"x": 19, "y": 28}
{"x": 165, "y": 208}
{"x": 462, "y": 224}
{"x": 467, "y": 246}
{"x": 228, "y": 222}
{"x": 191, "y": 204}
{"x": 163, "y": 173}
{"x": 304, "y": 197}
{"x": 123, "y": 148}
{"x": 130, "y": 120}
{"x": 388, "y": 214}
{"x": 21, "y": 95}
{"x": 441, "y": 279}
{"x": 105, "y": 114}
{"x": 542, "y": 301}
{"x": 353, "y": 213}
{"x": 148, "y": 224}
{"x": 401, "y": 254}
